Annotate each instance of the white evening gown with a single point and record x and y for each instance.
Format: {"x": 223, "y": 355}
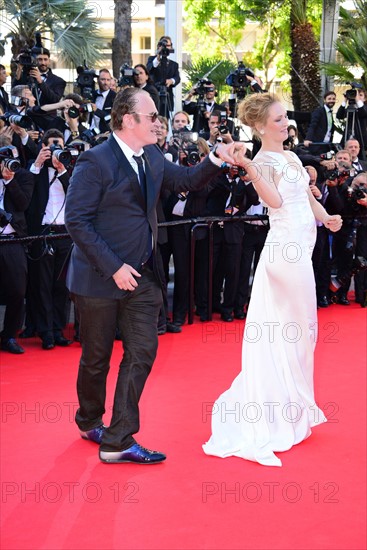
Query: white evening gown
{"x": 270, "y": 405}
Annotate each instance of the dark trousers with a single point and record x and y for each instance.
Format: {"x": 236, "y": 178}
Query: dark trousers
{"x": 13, "y": 284}
{"x": 321, "y": 262}
{"x": 136, "y": 315}
{"x": 360, "y": 279}
{"x": 252, "y": 244}
{"x": 53, "y": 306}
{"x": 343, "y": 252}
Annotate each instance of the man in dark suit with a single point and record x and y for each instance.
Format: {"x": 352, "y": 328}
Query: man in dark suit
{"x": 4, "y": 98}
{"x": 15, "y": 193}
{"x": 46, "y": 86}
{"x": 353, "y": 147}
{"x": 322, "y": 127}
{"x": 102, "y": 102}
{"x": 164, "y": 72}
{"x": 201, "y": 110}
{"x": 46, "y": 217}
{"x": 112, "y": 274}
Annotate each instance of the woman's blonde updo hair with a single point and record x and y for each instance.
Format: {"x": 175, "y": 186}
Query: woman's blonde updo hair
{"x": 254, "y": 109}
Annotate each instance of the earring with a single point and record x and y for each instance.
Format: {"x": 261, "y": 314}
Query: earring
{"x": 262, "y": 132}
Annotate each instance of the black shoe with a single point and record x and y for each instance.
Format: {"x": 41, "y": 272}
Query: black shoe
{"x": 11, "y": 346}
{"x": 178, "y": 321}
{"x": 239, "y": 314}
{"x": 95, "y": 434}
{"x": 61, "y": 341}
{"x": 136, "y": 453}
{"x": 323, "y": 301}
{"x": 48, "y": 343}
{"x": 162, "y": 330}
{"x": 226, "y": 317}
{"x": 27, "y": 333}
{"x": 174, "y": 329}
{"x": 343, "y": 300}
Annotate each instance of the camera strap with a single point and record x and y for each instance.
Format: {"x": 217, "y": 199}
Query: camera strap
{"x": 54, "y": 178}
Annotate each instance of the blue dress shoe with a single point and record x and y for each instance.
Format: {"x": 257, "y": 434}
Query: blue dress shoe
{"x": 95, "y": 434}
{"x": 136, "y": 453}
{"x": 12, "y": 346}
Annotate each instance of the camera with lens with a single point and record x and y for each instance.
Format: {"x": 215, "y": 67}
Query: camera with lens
{"x": 343, "y": 171}
{"x": 90, "y": 136}
{"x": 127, "y": 75}
{"x": 27, "y": 59}
{"x": 74, "y": 112}
{"x": 187, "y": 144}
{"x": 203, "y": 86}
{"x": 356, "y": 193}
{"x": 9, "y": 156}
{"x": 22, "y": 121}
{"x": 62, "y": 155}
{"x": 5, "y": 218}
{"x": 76, "y": 148}
{"x": 163, "y": 48}
{"x": 85, "y": 82}
{"x": 329, "y": 155}
{"x": 238, "y": 78}
{"x": 351, "y": 94}
{"x": 223, "y": 128}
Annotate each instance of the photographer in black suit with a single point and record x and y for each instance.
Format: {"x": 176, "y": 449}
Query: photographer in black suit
{"x": 102, "y": 102}
{"x": 165, "y": 74}
{"x": 322, "y": 127}
{"x": 111, "y": 216}
{"x": 45, "y": 85}
{"x": 16, "y": 187}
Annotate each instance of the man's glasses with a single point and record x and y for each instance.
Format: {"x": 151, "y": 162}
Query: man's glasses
{"x": 153, "y": 116}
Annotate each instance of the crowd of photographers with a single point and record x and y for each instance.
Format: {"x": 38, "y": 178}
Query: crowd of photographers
{"x": 43, "y": 131}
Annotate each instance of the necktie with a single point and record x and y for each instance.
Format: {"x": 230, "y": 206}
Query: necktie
{"x": 330, "y": 118}
{"x": 142, "y": 177}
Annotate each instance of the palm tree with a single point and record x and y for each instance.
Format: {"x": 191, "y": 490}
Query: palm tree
{"x": 305, "y": 74}
{"x": 71, "y": 24}
{"x": 351, "y": 45}
{"x": 121, "y": 43}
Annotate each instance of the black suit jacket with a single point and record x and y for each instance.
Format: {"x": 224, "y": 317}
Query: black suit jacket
{"x": 104, "y": 114}
{"x": 318, "y": 126}
{"x": 200, "y": 123}
{"x": 17, "y": 196}
{"x": 4, "y": 100}
{"x": 157, "y": 75}
{"x": 106, "y": 217}
{"x": 40, "y": 198}
{"x": 50, "y": 91}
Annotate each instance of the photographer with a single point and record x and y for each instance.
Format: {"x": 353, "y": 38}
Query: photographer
{"x": 358, "y": 165}
{"x": 46, "y": 86}
{"x": 322, "y": 127}
{"x": 203, "y": 107}
{"x": 218, "y": 129}
{"x": 49, "y": 295}
{"x": 164, "y": 73}
{"x": 102, "y": 101}
{"x": 347, "y": 206}
{"x": 354, "y": 111}
{"x": 358, "y": 193}
{"x": 21, "y": 129}
{"x": 4, "y": 98}
{"x": 16, "y": 187}
{"x": 143, "y": 80}
{"x": 73, "y": 114}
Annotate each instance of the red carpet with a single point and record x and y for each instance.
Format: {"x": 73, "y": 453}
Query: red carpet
{"x": 57, "y": 495}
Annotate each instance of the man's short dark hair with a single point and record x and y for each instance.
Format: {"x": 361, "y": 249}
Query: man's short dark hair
{"x": 123, "y": 104}
{"x": 215, "y": 113}
{"x": 51, "y": 133}
{"x": 43, "y": 51}
{"x": 2, "y": 68}
{"x": 330, "y": 92}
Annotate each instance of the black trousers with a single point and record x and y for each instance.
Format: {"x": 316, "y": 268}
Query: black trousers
{"x": 252, "y": 244}
{"x": 136, "y": 316}
{"x": 321, "y": 262}
{"x": 13, "y": 284}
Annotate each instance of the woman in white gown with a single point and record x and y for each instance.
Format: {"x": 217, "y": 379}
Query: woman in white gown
{"x": 270, "y": 405}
